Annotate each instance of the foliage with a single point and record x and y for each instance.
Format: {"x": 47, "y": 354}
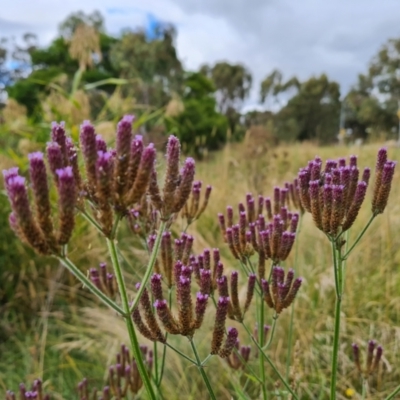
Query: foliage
{"x": 199, "y": 127}
{"x": 233, "y": 84}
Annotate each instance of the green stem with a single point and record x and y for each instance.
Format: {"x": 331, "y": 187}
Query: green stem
{"x": 181, "y": 354}
{"x": 128, "y": 320}
{"x": 364, "y": 388}
{"x": 149, "y": 269}
{"x": 88, "y": 283}
{"x": 155, "y": 356}
{"x": 91, "y": 220}
{"x": 359, "y": 236}
{"x": 202, "y": 372}
{"x": 165, "y": 347}
{"x": 395, "y": 391}
{"x": 261, "y": 342}
{"x": 271, "y": 335}
{"x": 290, "y": 338}
{"x": 337, "y": 259}
{"x": 269, "y": 361}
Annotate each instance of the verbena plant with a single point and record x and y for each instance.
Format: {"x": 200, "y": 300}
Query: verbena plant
{"x": 110, "y": 186}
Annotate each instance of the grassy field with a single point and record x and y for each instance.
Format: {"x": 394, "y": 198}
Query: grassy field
{"x": 72, "y": 336}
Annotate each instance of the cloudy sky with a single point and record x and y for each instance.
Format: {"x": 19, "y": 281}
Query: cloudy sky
{"x": 338, "y": 37}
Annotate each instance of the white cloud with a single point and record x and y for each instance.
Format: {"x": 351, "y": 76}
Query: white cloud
{"x": 300, "y": 38}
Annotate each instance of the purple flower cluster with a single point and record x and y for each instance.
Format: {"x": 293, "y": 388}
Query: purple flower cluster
{"x": 36, "y": 393}
{"x": 239, "y": 357}
{"x": 104, "y": 280}
{"x": 374, "y": 355}
{"x": 271, "y": 240}
{"x": 192, "y": 209}
{"x": 36, "y": 227}
{"x": 281, "y": 292}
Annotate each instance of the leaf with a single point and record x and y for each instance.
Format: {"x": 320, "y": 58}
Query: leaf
{"x": 108, "y": 81}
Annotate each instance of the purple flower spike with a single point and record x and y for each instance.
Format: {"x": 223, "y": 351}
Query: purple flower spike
{"x": 67, "y": 201}
{"x": 231, "y": 339}
{"x": 58, "y": 136}
{"x": 183, "y": 191}
{"x": 100, "y": 144}
{"x": 200, "y": 309}
{"x": 219, "y": 325}
{"x": 172, "y": 172}
{"x": 156, "y": 286}
{"x": 382, "y": 196}
{"x": 123, "y": 144}
{"x": 55, "y": 158}
{"x": 38, "y": 175}
{"x": 89, "y": 150}
{"x": 19, "y": 201}
{"x": 143, "y": 176}
{"x": 355, "y": 206}
{"x": 205, "y": 281}
{"x": 366, "y": 175}
{"x": 136, "y": 151}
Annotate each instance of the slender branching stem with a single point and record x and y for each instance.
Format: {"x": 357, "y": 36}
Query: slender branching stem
{"x": 364, "y": 388}
{"x": 337, "y": 261}
{"x": 128, "y": 320}
{"x": 165, "y": 347}
{"x": 88, "y": 283}
{"x": 149, "y": 269}
{"x": 361, "y": 234}
{"x": 394, "y": 393}
{"x": 202, "y": 372}
{"x": 91, "y": 220}
{"x": 290, "y": 336}
{"x": 270, "y": 362}
{"x": 261, "y": 342}
{"x": 272, "y": 332}
{"x": 181, "y": 354}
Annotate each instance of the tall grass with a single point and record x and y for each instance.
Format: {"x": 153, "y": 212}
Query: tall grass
{"x": 81, "y": 340}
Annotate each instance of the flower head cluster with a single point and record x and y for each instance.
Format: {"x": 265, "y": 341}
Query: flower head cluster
{"x": 114, "y": 181}
{"x": 36, "y": 226}
{"x": 374, "y": 355}
{"x": 124, "y": 381}
{"x": 192, "y": 209}
{"x": 235, "y": 311}
{"x": 207, "y": 269}
{"x": 271, "y": 240}
{"x": 239, "y": 357}
{"x": 189, "y": 316}
{"x": 104, "y": 280}
{"x": 143, "y": 219}
{"x": 281, "y": 292}
{"x": 124, "y": 377}
{"x": 36, "y": 393}
{"x": 294, "y": 195}
{"x": 171, "y": 252}
{"x": 333, "y": 195}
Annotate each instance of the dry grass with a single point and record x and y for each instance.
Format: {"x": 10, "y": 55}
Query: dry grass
{"x": 86, "y": 338}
